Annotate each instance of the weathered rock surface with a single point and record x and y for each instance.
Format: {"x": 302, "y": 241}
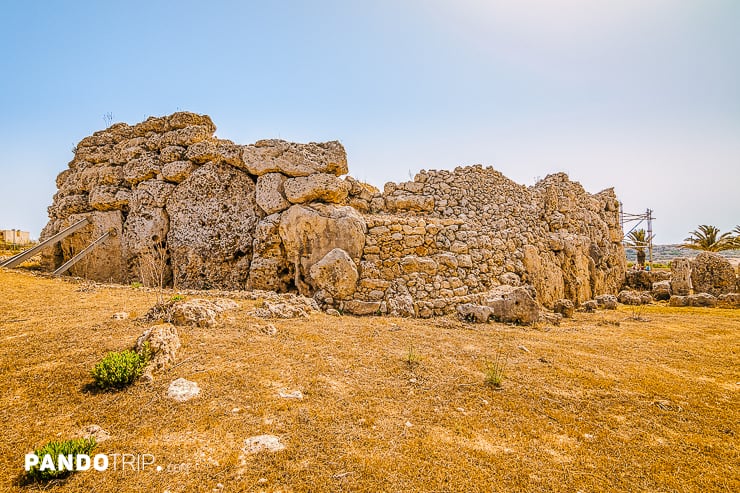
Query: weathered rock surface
{"x": 321, "y": 187}
{"x": 627, "y": 297}
{"x": 564, "y": 307}
{"x": 163, "y": 343}
{"x": 291, "y": 159}
{"x": 731, "y": 300}
{"x": 701, "y": 300}
{"x": 336, "y": 274}
{"x": 471, "y": 312}
{"x": 309, "y": 233}
{"x": 182, "y": 390}
{"x": 513, "y": 304}
{"x": 271, "y": 193}
{"x": 196, "y": 312}
{"x": 711, "y": 273}
{"x": 590, "y": 306}
{"x": 661, "y": 290}
{"x": 293, "y": 307}
{"x": 262, "y": 443}
{"x": 680, "y": 276}
{"x": 213, "y": 215}
{"x": 606, "y": 301}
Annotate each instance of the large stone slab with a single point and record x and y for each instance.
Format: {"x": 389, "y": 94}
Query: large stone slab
{"x": 308, "y": 233}
{"x": 292, "y": 159}
{"x": 212, "y": 219}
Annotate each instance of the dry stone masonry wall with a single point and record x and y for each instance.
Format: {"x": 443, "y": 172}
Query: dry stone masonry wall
{"x": 195, "y": 211}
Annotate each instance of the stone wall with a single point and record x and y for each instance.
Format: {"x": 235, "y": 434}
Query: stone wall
{"x": 199, "y": 212}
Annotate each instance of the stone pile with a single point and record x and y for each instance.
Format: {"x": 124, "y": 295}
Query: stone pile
{"x": 191, "y": 210}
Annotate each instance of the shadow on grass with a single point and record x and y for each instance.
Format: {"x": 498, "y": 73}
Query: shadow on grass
{"x": 22, "y": 480}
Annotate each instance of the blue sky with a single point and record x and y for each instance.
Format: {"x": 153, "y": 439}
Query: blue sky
{"x": 640, "y": 95}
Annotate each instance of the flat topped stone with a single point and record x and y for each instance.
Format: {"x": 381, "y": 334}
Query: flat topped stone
{"x": 292, "y": 159}
{"x": 182, "y": 390}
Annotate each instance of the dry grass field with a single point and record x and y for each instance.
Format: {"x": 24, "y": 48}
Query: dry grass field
{"x": 620, "y": 400}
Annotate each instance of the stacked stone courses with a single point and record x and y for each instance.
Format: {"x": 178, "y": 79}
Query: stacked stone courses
{"x": 204, "y": 212}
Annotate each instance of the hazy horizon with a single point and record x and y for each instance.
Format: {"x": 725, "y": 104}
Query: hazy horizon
{"x": 640, "y": 96}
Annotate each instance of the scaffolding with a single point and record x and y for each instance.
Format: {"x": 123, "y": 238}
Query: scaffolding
{"x": 638, "y": 219}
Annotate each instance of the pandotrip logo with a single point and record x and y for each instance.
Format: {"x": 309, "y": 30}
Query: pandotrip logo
{"x": 98, "y": 462}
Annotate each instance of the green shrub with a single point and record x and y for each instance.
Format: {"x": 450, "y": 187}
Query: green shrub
{"x": 117, "y": 370}
{"x": 55, "y": 449}
{"x": 177, "y": 297}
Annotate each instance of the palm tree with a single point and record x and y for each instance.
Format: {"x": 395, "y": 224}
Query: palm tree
{"x": 709, "y": 239}
{"x": 639, "y": 239}
{"x": 736, "y": 239}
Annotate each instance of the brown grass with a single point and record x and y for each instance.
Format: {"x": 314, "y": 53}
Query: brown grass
{"x": 647, "y": 405}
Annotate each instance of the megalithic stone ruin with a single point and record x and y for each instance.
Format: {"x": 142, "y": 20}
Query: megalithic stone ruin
{"x": 204, "y": 212}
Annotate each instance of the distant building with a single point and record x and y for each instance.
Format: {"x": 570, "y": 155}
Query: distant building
{"x": 15, "y": 236}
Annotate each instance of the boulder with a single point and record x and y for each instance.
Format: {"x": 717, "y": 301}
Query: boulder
{"x": 308, "y": 233}
{"x": 182, "y": 390}
{"x": 336, "y": 274}
{"x": 678, "y": 300}
{"x": 292, "y": 159}
{"x": 711, "y": 273}
{"x": 606, "y": 301}
{"x": 178, "y": 171}
{"x": 680, "y": 276}
{"x": 218, "y": 150}
{"x": 261, "y": 443}
{"x": 702, "y": 300}
{"x": 470, "y": 312}
{"x": 627, "y": 297}
{"x": 358, "y": 307}
{"x": 731, "y": 300}
{"x": 661, "y": 290}
{"x": 564, "y": 307}
{"x": 196, "y": 312}
{"x": 513, "y": 304}
{"x": 590, "y": 306}
{"x": 163, "y": 342}
{"x": 271, "y": 193}
{"x": 319, "y": 187}
{"x": 212, "y": 218}
{"x": 292, "y": 307}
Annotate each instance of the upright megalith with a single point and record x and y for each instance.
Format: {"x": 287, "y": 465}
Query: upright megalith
{"x": 213, "y": 216}
{"x": 712, "y": 273}
{"x": 205, "y": 212}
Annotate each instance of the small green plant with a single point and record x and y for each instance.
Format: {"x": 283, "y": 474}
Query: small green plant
{"x": 120, "y": 369}
{"x": 136, "y": 284}
{"x": 177, "y": 297}
{"x": 66, "y": 448}
{"x": 412, "y": 358}
{"x": 494, "y": 373}
{"x": 637, "y": 312}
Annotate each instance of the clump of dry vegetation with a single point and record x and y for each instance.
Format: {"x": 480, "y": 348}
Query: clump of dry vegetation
{"x": 646, "y": 406}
